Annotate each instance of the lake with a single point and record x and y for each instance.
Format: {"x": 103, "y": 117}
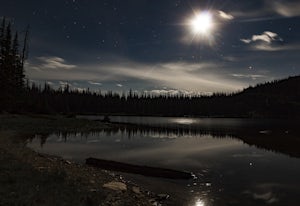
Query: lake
{"x": 235, "y": 161}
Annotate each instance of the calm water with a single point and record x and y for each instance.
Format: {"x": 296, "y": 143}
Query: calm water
{"x": 236, "y": 161}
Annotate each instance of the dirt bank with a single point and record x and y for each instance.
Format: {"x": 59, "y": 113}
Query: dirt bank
{"x": 30, "y": 178}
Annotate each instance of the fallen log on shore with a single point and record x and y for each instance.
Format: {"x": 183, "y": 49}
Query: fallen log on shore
{"x": 137, "y": 169}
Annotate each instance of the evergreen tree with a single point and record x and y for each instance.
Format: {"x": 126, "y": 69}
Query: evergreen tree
{"x": 25, "y": 47}
{"x": 2, "y": 32}
{"x": 18, "y": 67}
{"x": 12, "y": 78}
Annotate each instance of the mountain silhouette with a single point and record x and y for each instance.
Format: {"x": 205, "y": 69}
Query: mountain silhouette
{"x": 280, "y": 98}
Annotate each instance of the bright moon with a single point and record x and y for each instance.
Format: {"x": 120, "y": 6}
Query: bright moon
{"x": 202, "y": 23}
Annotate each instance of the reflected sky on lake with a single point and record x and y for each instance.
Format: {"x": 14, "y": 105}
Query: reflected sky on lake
{"x": 157, "y": 150}
{"x": 186, "y": 121}
{"x": 199, "y": 202}
{"x": 232, "y": 166}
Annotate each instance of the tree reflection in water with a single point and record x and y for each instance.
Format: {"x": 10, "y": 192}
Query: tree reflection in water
{"x": 230, "y": 160}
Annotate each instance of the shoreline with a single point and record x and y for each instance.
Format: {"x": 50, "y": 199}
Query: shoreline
{"x": 31, "y": 178}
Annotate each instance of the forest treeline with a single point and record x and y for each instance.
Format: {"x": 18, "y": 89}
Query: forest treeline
{"x": 280, "y": 98}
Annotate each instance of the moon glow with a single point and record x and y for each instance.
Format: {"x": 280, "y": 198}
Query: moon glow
{"x": 202, "y": 23}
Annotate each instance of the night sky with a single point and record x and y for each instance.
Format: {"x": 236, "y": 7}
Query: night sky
{"x": 153, "y": 45}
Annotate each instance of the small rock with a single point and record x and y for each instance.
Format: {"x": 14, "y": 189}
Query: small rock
{"x": 163, "y": 196}
{"x": 136, "y": 190}
{"x": 153, "y": 201}
{"x": 265, "y": 132}
{"x": 112, "y": 174}
{"x": 68, "y": 162}
{"x": 117, "y": 186}
{"x": 50, "y": 159}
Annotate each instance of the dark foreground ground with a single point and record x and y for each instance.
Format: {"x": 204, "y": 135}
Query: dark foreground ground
{"x": 30, "y": 178}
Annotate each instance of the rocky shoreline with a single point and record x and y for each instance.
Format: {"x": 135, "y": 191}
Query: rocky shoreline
{"x": 31, "y": 178}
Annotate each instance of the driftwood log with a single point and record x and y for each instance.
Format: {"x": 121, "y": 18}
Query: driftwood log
{"x": 137, "y": 169}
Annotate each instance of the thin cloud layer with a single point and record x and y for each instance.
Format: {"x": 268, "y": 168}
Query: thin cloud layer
{"x": 171, "y": 92}
{"x": 252, "y": 76}
{"x": 225, "y": 16}
{"x": 286, "y": 8}
{"x": 51, "y": 62}
{"x": 275, "y": 9}
{"x": 95, "y": 83}
{"x": 197, "y": 77}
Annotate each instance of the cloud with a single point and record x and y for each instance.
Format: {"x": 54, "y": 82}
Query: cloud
{"x": 173, "y": 92}
{"x": 225, "y": 16}
{"x": 95, "y": 83}
{"x": 50, "y": 83}
{"x": 62, "y": 83}
{"x": 251, "y": 76}
{"x": 266, "y": 36}
{"x": 286, "y": 8}
{"x": 270, "y": 10}
{"x": 230, "y": 58}
{"x": 198, "y": 77}
{"x": 246, "y": 41}
{"x": 187, "y": 76}
{"x": 268, "y": 41}
{"x": 266, "y": 47}
{"x": 51, "y": 62}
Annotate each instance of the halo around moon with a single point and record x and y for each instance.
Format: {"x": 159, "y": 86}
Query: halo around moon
{"x": 205, "y": 26}
{"x": 202, "y": 23}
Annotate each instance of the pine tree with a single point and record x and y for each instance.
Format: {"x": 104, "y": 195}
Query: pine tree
{"x": 18, "y": 67}
{"x": 12, "y": 78}
{"x": 2, "y": 29}
{"x": 25, "y": 47}
{"x": 2, "y": 32}
{"x": 6, "y": 61}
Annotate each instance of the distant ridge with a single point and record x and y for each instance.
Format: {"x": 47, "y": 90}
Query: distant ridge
{"x": 290, "y": 85}
{"x": 279, "y": 98}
